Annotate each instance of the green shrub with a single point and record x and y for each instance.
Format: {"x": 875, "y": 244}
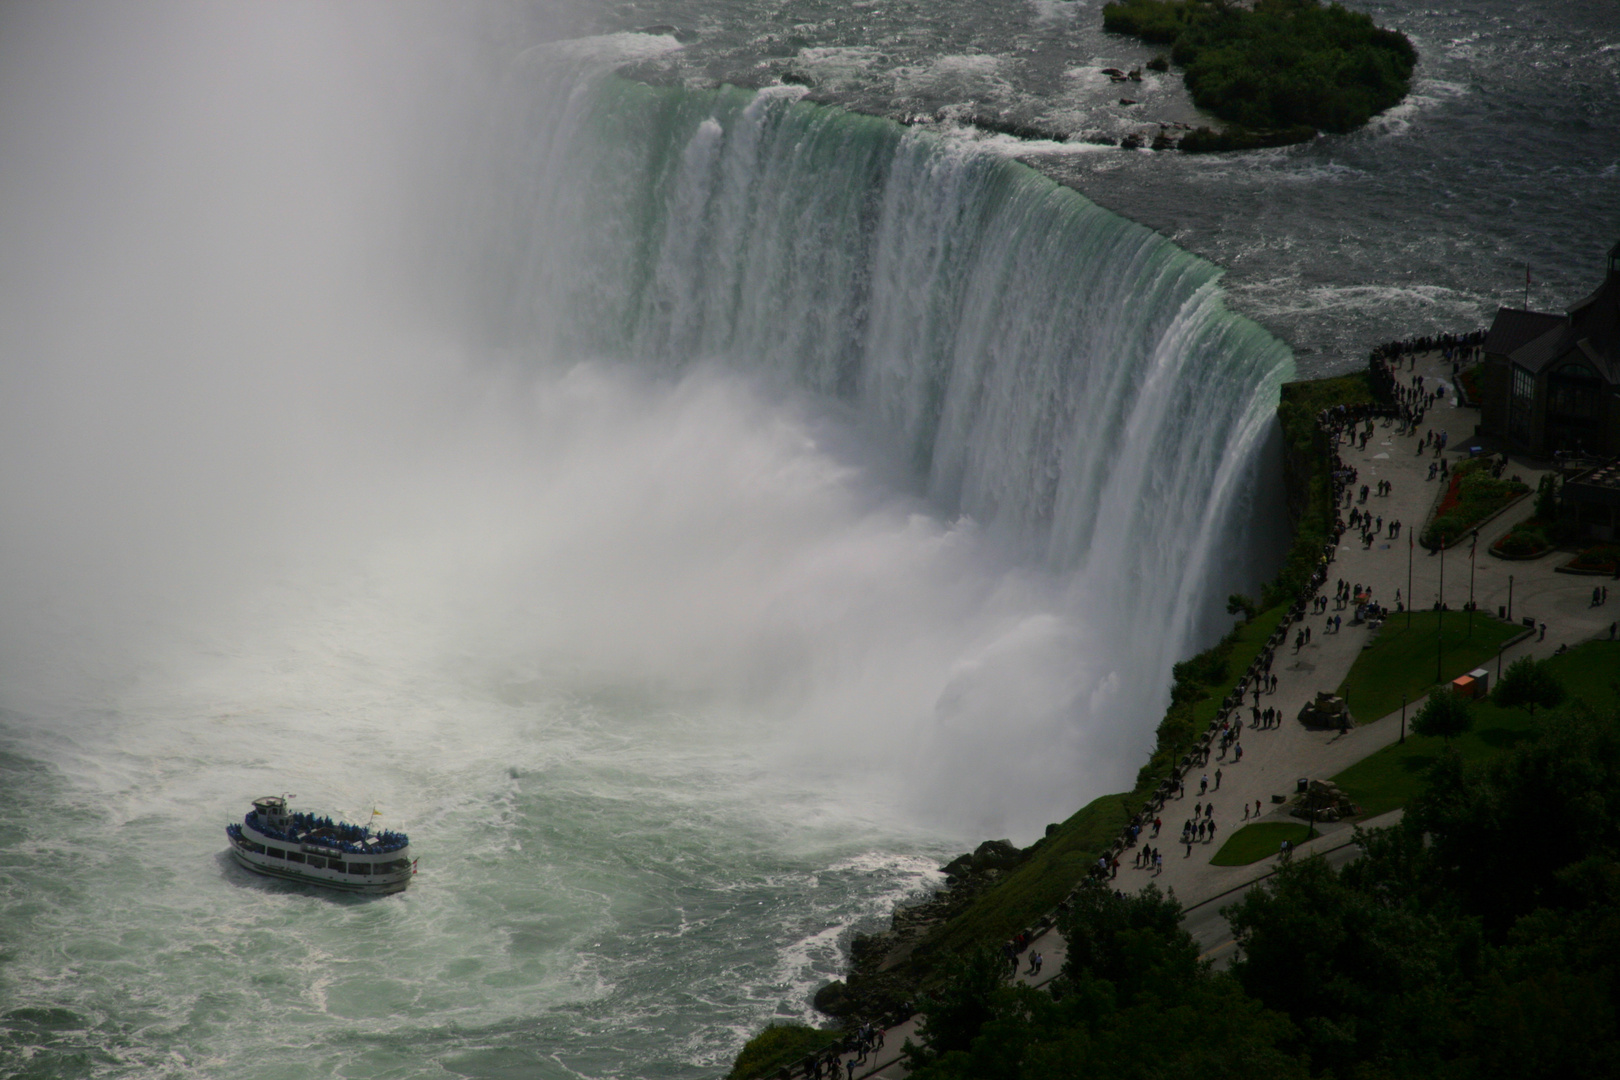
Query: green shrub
{"x": 1161, "y": 21}
{"x": 779, "y": 1045}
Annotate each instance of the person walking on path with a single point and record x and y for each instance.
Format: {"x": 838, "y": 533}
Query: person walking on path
{"x": 1217, "y": 779}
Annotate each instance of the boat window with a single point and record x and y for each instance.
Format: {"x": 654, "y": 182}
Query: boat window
{"x": 316, "y": 861}
{"x": 333, "y": 864}
{"x": 275, "y": 853}
{"x": 257, "y": 849}
{"x": 295, "y": 856}
{"x": 360, "y": 868}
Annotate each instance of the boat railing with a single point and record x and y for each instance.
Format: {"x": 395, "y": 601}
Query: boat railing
{"x": 338, "y": 836}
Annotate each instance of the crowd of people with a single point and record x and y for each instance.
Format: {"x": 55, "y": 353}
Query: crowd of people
{"x": 339, "y": 835}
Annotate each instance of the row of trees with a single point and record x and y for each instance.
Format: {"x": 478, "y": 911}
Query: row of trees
{"x": 1478, "y": 938}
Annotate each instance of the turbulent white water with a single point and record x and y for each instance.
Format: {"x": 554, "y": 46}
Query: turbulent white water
{"x": 767, "y": 501}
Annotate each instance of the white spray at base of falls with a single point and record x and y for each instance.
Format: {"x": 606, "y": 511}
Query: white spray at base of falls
{"x": 1069, "y": 382}
{"x": 784, "y": 502}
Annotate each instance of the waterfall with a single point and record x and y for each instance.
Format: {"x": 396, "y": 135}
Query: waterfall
{"x": 1067, "y": 380}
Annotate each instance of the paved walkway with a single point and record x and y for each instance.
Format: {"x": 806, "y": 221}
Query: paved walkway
{"x": 1275, "y": 759}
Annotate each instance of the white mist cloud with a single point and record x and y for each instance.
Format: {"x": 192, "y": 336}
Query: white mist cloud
{"x": 240, "y": 462}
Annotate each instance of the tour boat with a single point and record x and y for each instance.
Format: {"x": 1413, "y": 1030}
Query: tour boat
{"x": 319, "y": 851}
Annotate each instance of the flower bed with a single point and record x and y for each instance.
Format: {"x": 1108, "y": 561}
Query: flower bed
{"x": 1526, "y": 540}
{"x": 1602, "y": 559}
{"x": 1472, "y": 496}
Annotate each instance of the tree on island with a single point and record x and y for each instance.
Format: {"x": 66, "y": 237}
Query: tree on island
{"x": 1526, "y": 684}
{"x": 1278, "y": 70}
{"x": 1445, "y": 714}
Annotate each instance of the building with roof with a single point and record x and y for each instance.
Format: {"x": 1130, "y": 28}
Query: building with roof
{"x": 1551, "y": 383}
{"x": 1592, "y": 501}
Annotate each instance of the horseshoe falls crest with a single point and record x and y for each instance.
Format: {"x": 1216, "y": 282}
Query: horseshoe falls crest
{"x": 764, "y": 502}
{"x": 1063, "y": 381}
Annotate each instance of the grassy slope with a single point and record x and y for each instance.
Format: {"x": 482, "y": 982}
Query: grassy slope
{"x": 1402, "y": 661}
{"x": 777, "y": 1046}
{"x": 1034, "y": 889}
{"x": 1389, "y": 778}
{"x": 1254, "y": 842}
{"x": 1305, "y": 476}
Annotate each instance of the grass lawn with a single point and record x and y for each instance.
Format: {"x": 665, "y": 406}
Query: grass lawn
{"x": 1254, "y": 842}
{"x": 1402, "y": 661}
{"x": 1389, "y": 778}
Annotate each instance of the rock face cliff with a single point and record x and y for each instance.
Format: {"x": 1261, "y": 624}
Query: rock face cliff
{"x": 878, "y": 985}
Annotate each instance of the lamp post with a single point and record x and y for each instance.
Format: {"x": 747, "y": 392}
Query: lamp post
{"x": 1510, "y": 598}
{"x": 1403, "y": 718}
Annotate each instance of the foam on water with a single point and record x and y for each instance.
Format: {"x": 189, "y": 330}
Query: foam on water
{"x": 762, "y": 503}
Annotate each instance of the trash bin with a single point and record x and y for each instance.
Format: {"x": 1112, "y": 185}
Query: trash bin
{"x": 1301, "y": 785}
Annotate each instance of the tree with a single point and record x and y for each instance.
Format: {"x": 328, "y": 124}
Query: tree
{"x": 1129, "y": 941}
{"x": 1445, "y": 714}
{"x": 953, "y": 1016}
{"x": 1347, "y": 965}
{"x": 1504, "y": 836}
{"x": 1238, "y": 604}
{"x": 1547, "y": 498}
{"x": 1528, "y": 683}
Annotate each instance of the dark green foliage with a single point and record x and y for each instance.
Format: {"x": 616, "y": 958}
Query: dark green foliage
{"x": 1343, "y": 962}
{"x": 1504, "y": 836}
{"x": 1238, "y": 604}
{"x": 1528, "y": 539}
{"x": 1445, "y": 715}
{"x": 1161, "y": 21}
{"x": 953, "y": 1014}
{"x": 1198, "y": 684}
{"x": 1305, "y": 476}
{"x": 1160, "y": 62}
{"x": 1136, "y": 1003}
{"x": 1284, "y": 64}
{"x": 777, "y": 1046}
{"x": 1478, "y": 938}
{"x": 1526, "y": 684}
{"x": 1472, "y": 496}
{"x": 1547, "y": 497}
{"x": 1131, "y": 942}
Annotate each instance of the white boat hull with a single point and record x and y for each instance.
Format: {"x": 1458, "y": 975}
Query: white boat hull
{"x": 372, "y": 875}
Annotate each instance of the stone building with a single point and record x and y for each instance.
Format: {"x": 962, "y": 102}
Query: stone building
{"x": 1551, "y": 383}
